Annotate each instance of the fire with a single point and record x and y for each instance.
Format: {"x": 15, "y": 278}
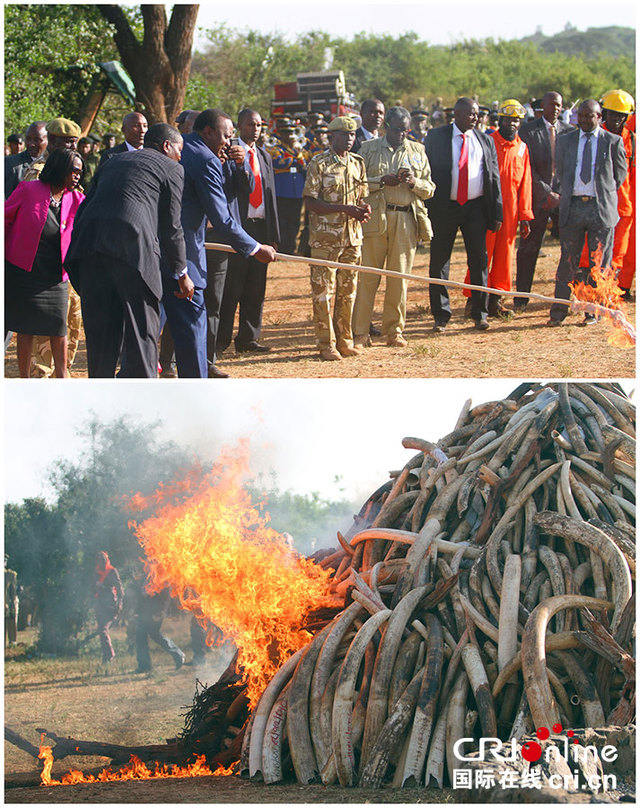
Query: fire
{"x": 604, "y": 292}
{"x": 208, "y": 537}
{"x": 134, "y": 770}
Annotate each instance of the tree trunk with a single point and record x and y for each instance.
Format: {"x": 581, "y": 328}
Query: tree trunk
{"x": 159, "y": 65}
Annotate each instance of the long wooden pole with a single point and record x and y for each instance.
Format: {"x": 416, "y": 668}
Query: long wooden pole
{"x": 575, "y": 305}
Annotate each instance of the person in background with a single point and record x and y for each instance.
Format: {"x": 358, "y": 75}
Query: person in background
{"x": 39, "y": 219}
{"x": 150, "y": 611}
{"x": 185, "y": 121}
{"x": 16, "y": 165}
{"x": 11, "y": 605}
{"x": 134, "y": 128}
{"x": 15, "y": 143}
{"x": 109, "y": 597}
{"x": 372, "y": 116}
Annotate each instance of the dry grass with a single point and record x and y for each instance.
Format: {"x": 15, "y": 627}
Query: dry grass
{"x": 521, "y": 347}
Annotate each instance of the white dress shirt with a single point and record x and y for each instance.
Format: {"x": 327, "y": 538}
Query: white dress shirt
{"x": 475, "y": 163}
{"x": 259, "y": 212}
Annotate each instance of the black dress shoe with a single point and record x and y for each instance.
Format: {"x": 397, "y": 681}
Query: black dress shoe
{"x": 252, "y": 347}
{"x": 373, "y": 331}
{"x": 214, "y": 373}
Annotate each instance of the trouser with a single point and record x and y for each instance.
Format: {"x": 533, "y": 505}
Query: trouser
{"x": 187, "y": 320}
{"x": 217, "y": 264}
{"x": 446, "y": 220}
{"x": 11, "y": 628}
{"x": 42, "y": 358}
{"x": 167, "y": 351}
{"x": 527, "y": 255}
{"x": 621, "y": 237}
{"x": 394, "y": 249}
{"x": 327, "y": 282}
{"x": 500, "y": 250}
{"x": 104, "y": 624}
{"x": 118, "y": 308}
{"x": 245, "y": 286}
{"x": 583, "y": 221}
{"x": 150, "y": 627}
{"x": 625, "y": 278}
{"x": 289, "y": 211}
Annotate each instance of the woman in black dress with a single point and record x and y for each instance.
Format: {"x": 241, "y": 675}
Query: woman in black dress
{"x": 38, "y": 224}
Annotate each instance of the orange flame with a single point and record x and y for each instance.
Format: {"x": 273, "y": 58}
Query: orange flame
{"x": 604, "y": 292}
{"x": 134, "y": 770}
{"x": 214, "y": 541}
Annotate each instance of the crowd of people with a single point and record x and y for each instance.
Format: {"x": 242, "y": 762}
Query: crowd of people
{"x": 114, "y": 239}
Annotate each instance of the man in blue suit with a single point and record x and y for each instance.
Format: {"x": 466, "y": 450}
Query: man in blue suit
{"x": 204, "y": 198}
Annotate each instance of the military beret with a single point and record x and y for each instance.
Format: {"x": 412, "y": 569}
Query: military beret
{"x": 343, "y": 123}
{"x": 61, "y": 127}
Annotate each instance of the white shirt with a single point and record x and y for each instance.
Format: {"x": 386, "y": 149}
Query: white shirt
{"x": 580, "y": 188}
{"x": 259, "y": 212}
{"x": 369, "y": 135}
{"x": 475, "y": 163}
{"x": 130, "y": 147}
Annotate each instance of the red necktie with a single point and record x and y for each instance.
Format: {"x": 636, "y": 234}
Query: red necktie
{"x": 463, "y": 173}
{"x": 255, "y": 197}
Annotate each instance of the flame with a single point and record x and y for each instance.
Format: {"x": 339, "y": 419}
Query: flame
{"x": 134, "y": 770}
{"x": 605, "y": 297}
{"x": 208, "y": 537}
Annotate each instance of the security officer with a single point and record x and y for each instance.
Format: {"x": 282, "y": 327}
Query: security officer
{"x": 399, "y": 179}
{"x": 419, "y": 125}
{"x": 334, "y": 191}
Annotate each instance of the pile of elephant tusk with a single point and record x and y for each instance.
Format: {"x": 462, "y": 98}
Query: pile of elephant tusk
{"x": 486, "y": 591}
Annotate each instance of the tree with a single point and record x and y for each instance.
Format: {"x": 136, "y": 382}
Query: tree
{"x": 159, "y": 64}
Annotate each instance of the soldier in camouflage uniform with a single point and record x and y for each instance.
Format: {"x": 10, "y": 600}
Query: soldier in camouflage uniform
{"x": 334, "y": 191}
{"x": 62, "y": 134}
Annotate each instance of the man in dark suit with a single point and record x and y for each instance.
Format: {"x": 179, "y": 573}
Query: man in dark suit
{"x": 372, "y": 115}
{"x": 205, "y": 197}
{"x": 464, "y": 167}
{"x": 246, "y": 279}
{"x": 134, "y": 128}
{"x": 131, "y": 213}
{"x": 591, "y": 165}
{"x": 540, "y": 134}
{"x": 16, "y": 164}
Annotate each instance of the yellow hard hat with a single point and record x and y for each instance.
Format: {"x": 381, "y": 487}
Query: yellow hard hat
{"x": 618, "y": 101}
{"x": 512, "y": 108}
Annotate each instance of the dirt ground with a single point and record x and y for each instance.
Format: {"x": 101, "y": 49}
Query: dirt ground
{"x": 521, "y": 347}
{"x": 83, "y": 699}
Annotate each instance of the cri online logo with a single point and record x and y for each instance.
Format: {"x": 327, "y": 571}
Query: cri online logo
{"x": 532, "y": 751}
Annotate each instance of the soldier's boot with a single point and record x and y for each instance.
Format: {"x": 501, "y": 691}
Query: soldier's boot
{"x": 347, "y": 350}
{"x": 362, "y": 341}
{"x": 396, "y": 341}
{"x": 330, "y": 355}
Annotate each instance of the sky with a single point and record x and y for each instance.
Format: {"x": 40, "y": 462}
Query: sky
{"x": 436, "y": 23}
{"x": 306, "y": 431}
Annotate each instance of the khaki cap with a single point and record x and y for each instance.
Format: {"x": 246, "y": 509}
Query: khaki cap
{"x": 63, "y": 127}
{"x": 343, "y": 123}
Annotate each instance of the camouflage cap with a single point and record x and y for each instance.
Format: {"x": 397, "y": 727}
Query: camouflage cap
{"x": 343, "y": 123}
{"x": 63, "y": 127}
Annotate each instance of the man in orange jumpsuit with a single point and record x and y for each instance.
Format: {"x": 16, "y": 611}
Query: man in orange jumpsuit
{"x": 617, "y": 106}
{"x": 515, "y": 182}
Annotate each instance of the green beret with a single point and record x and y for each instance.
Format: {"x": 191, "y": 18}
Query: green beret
{"x": 61, "y": 127}
{"x": 343, "y": 123}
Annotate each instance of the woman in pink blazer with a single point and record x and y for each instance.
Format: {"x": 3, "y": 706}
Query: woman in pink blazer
{"x": 38, "y": 223}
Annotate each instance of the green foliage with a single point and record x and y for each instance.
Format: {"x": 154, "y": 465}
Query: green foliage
{"x": 51, "y": 52}
{"x": 239, "y": 68}
{"x": 53, "y": 547}
{"x": 614, "y": 40}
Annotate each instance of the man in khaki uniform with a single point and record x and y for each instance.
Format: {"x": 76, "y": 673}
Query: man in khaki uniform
{"x": 62, "y": 134}
{"x": 399, "y": 179}
{"x": 334, "y": 191}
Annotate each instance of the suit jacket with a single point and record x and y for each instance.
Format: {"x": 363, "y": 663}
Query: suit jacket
{"x": 268, "y": 194}
{"x": 107, "y": 154}
{"x": 14, "y": 168}
{"x": 360, "y": 139}
{"x": 438, "y": 148}
{"x": 535, "y": 135}
{"x": 610, "y": 172}
{"x": 132, "y": 213}
{"x": 204, "y": 198}
{"x": 25, "y": 214}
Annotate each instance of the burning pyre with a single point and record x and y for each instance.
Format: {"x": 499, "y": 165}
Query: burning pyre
{"x": 485, "y": 590}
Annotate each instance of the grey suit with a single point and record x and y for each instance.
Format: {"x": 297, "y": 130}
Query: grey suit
{"x": 592, "y": 216}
